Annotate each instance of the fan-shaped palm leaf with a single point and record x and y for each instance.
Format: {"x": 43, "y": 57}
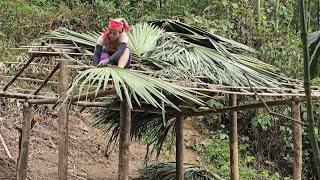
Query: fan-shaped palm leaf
{"x": 142, "y": 87}
{"x": 143, "y": 38}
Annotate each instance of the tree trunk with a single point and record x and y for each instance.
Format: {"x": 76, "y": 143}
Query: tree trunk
{"x": 318, "y": 14}
{"x": 297, "y": 136}
{"x": 124, "y": 140}
{"x": 179, "y": 148}
{"x": 310, "y": 117}
{"x": 258, "y": 14}
{"x": 277, "y": 16}
{"x": 24, "y": 143}
{"x": 63, "y": 123}
{"x": 142, "y": 7}
{"x": 234, "y": 173}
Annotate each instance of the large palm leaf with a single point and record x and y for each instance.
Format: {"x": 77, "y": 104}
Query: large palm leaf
{"x": 142, "y": 87}
{"x": 314, "y": 47}
{"x": 144, "y": 127}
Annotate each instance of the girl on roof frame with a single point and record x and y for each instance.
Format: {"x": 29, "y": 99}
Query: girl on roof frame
{"x": 112, "y": 45}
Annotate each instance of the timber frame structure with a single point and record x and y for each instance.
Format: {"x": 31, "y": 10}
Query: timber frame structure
{"x": 67, "y": 58}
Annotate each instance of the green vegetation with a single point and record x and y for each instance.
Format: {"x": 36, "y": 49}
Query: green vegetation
{"x": 266, "y": 145}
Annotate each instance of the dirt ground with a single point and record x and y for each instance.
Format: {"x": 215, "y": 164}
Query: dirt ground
{"x": 87, "y": 158}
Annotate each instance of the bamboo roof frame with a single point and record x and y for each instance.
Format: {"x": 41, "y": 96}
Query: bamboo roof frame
{"x": 71, "y": 51}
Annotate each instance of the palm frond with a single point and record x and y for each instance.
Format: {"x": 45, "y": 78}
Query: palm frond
{"x": 144, "y": 127}
{"x": 143, "y": 87}
{"x": 167, "y": 171}
{"x": 143, "y": 38}
{"x": 314, "y": 47}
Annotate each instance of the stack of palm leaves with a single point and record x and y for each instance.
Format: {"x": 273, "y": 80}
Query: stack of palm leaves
{"x": 167, "y": 171}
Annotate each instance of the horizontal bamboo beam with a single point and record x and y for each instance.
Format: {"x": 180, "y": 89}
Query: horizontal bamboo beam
{"x": 247, "y": 106}
{"x": 58, "y": 53}
{"x": 251, "y": 93}
{"x": 81, "y": 97}
{"x": 29, "y": 79}
{"x": 50, "y": 65}
{"x": 22, "y": 96}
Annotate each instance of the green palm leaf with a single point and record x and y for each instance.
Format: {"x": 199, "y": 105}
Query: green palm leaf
{"x": 143, "y": 38}
{"x": 148, "y": 89}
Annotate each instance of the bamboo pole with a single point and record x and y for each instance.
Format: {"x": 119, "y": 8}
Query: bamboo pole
{"x": 5, "y": 147}
{"x": 47, "y": 79}
{"x": 234, "y": 164}
{"x": 306, "y": 67}
{"x": 63, "y": 123}
{"x": 81, "y": 97}
{"x": 179, "y": 147}
{"x": 19, "y": 73}
{"x": 297, "y": 136}
{"x": 24, "y": 143}
{"x": 124, "y": 140}
{"x": 29, "y": 79}
{"x": 24, "y": 96}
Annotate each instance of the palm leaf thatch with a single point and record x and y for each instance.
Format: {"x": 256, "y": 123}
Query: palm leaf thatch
{"x": 167, "y": 171}
{"x": 187, "y": 50}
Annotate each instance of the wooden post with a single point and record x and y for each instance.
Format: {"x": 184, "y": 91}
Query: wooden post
{"x": 179, "y": 148}
{"x": 234, "y": 174}
{"x": 63, "y": 122}
{"x": 22, "y": 162}
{"x": 124, "y": 141}
{"x": 297, "y": 141}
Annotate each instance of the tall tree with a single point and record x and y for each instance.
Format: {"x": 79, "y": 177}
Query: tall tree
{"x": 310, "y": 117}
{"x": 276, "y": 16}
{"x": 258, "y": 14}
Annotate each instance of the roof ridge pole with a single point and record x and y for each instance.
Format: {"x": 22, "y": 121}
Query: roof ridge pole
{"x": 179, "y": 147}
{"x": 24, "y": 143}
{"x": 297, "y": 139}
{"x": 63, "y": 122}
{"x": 234, "y": 154}
{"x": 124, "y": 140}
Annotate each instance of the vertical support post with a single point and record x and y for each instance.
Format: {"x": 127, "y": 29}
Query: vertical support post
{"x": 63, "y": 122}
{"x": 179, "y": 148}
{"x": 234, "y": 174}
{"x": 24, "y": 144}
{"x": 297, "y": 141}
{"x": 124, "y": 141}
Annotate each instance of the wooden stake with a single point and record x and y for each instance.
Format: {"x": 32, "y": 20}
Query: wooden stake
{"x": 22, "y": 162}
{"x": 124, "y": 141}
{"x": 63, "y": 123}
{"x": 5, "y": 147}
{"x": 297, "y": 141}
{"x": 179, "y": 148}
{"x": 234, "y": 174}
